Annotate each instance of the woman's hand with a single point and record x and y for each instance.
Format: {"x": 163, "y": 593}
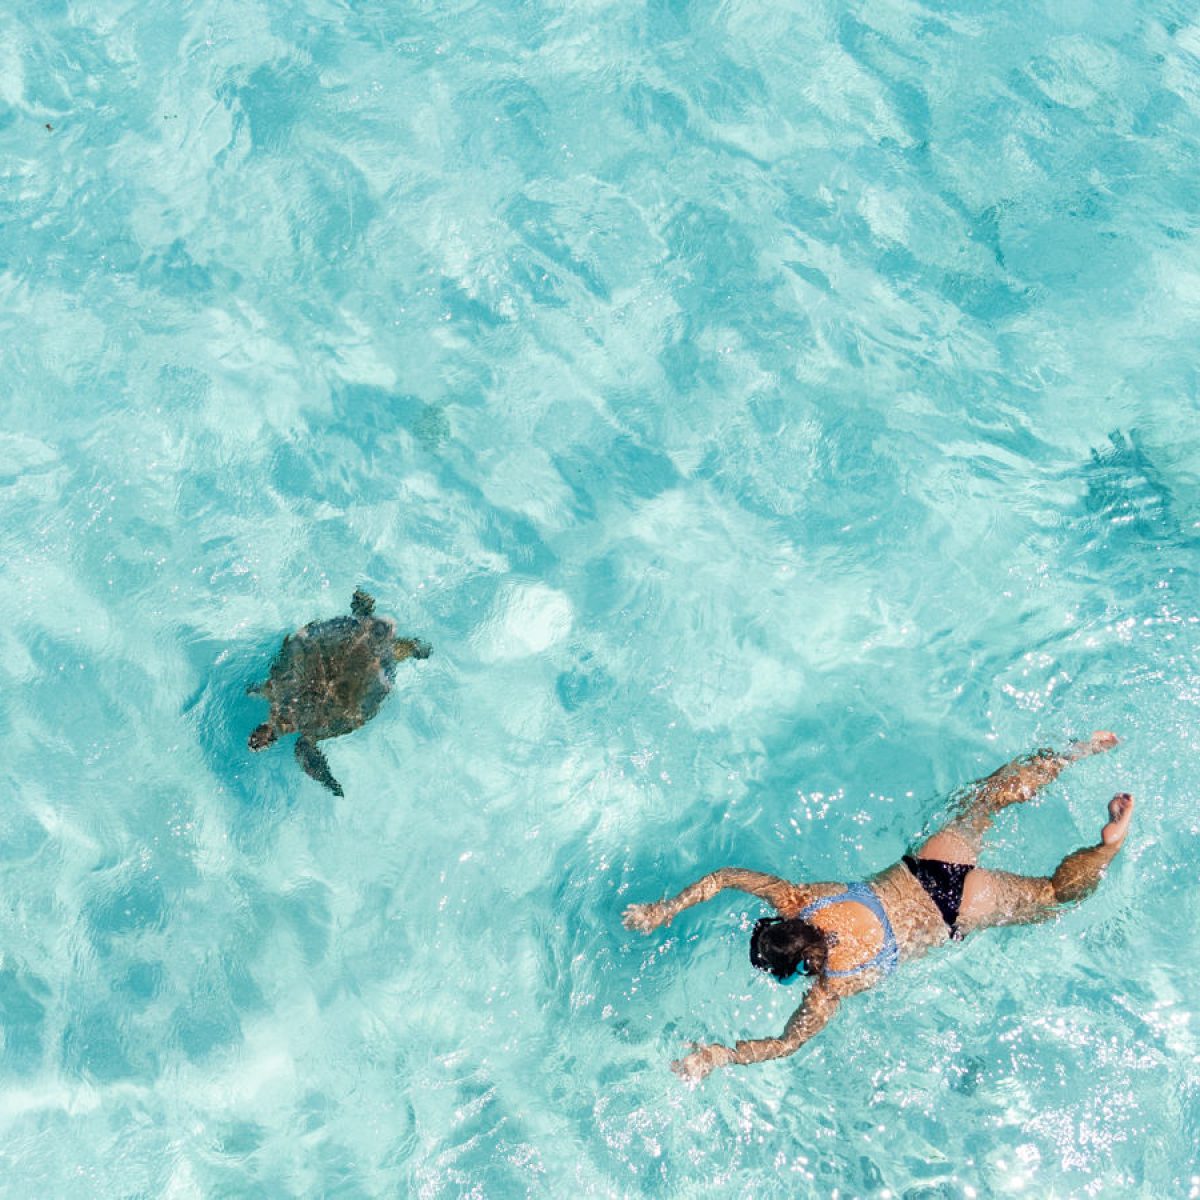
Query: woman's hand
{"x": 1100, "y": 741}
{"x": 703, "y": 1059}
{"x": 645, "y": 917}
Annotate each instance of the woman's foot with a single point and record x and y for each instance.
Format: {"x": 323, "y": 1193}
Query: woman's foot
{"x": 1100, "y": 741}
{"x": 1120, "y": 810}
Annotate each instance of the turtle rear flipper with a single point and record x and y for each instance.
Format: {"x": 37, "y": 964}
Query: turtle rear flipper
{"x": 312, "y": 762}
{"x": 411, "y": 648}
{"x": 363, "y": 605}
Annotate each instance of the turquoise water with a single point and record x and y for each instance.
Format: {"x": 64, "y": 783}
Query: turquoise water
{"x": 773, "y": 415}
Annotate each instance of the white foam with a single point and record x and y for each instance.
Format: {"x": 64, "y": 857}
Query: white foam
{"x": 526, "y": 619}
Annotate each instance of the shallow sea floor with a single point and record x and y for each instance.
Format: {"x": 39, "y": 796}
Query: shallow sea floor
{"x": 773, "y": 414}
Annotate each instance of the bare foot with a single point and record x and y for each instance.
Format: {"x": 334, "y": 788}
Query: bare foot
{"x": 1120, "y": 809}
{"x": 1100, "y": 741}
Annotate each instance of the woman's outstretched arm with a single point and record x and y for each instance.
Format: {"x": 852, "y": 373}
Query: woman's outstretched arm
{"x": 788, "y": 898}
{"x": 807, "y": 1021}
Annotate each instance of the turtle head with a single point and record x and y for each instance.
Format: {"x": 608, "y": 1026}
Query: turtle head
{"x": 263, "y": 736}
{"x": 362, "y": 605}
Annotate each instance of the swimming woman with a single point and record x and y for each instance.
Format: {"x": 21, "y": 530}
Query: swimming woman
{"x": 851, "y": 936}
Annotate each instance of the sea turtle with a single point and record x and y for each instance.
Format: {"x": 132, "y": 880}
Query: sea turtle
{"x": 330, "y": 677}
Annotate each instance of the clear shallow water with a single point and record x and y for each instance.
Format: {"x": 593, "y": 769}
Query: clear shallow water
{"x": 773, "y": 417}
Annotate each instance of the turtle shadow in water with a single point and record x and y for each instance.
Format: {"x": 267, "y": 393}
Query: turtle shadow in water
{"x": 1127, "y": 491}
{"x": 326, "y": 679}
{"x": 223, "y": 714}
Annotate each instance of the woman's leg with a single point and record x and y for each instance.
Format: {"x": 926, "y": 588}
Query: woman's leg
{"x": 1001, "y": 898}
{"x": 961, "y": 839}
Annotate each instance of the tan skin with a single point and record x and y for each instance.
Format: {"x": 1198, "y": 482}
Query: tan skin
{"x": 854, "y": 934}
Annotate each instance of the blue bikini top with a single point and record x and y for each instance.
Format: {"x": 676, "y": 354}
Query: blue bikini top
{"x": 889, "y": 953}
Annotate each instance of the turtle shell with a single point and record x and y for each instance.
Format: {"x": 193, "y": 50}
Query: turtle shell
{"x": 331, "y": 676}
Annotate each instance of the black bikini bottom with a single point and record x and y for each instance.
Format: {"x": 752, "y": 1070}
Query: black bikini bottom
{"x": 944, "y": 882}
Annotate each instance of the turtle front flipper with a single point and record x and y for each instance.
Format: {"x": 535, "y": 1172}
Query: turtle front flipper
{"x": 312, "y": 762}
{"x": 411, "y": 648}
{"x": 363, "y": 605}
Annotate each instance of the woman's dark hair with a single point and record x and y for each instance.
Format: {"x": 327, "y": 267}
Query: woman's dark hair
{"x": 784, "y": 946}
